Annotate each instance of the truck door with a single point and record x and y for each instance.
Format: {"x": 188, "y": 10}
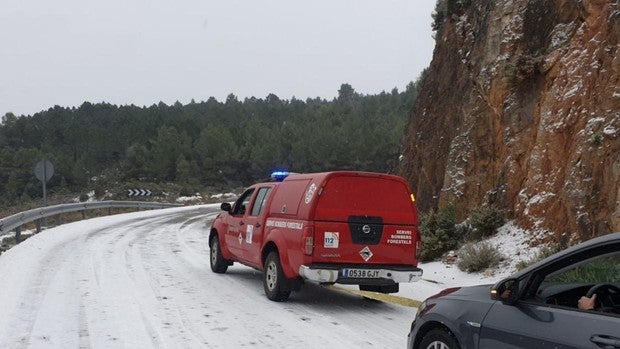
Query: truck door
{"x": 235, "y": 233}
{"x": 254, "y": 227}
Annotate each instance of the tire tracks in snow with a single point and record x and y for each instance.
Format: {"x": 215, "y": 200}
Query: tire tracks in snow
{"x": 146, "y": 282}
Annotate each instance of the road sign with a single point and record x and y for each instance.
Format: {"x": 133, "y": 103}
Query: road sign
{"x": 139, "y": 192}
{"x": 44, "y": 170}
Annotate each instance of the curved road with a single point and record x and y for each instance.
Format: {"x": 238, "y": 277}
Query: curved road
{"x": 142, "y": 280}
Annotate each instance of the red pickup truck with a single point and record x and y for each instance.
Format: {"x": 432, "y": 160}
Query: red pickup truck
{"x": 345, "y": 227}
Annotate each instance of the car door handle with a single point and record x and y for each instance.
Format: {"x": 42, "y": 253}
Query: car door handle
{"x": 257, "y": 225}
{"x": 240, "y": 223}
{"x": 607, "y": 341}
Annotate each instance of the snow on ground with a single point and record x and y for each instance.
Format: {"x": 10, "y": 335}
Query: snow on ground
{"x": 510, "y": 240}
{"x": 513, "y": 243}
{"x": 184, "y": 199}
{"x": 198, "y": 198}
{"x": 228, "y": 196}
{"x": 142, "y": 280}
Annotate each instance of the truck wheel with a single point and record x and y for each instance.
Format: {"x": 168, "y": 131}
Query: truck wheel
{"x": 275, "y": 283}
{"x": 218, "y": 263}
{"x": 439, "y": 338}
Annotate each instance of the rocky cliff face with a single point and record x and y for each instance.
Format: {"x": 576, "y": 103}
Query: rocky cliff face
{"x": 521, "y": 109}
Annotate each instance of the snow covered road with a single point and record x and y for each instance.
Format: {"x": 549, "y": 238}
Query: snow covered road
{"x": 142, "y": 280}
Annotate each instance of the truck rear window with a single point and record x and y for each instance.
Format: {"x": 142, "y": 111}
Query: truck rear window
{"x": 343, "y": 197}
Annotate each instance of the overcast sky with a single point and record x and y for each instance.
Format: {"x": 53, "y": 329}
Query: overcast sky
{"x": 65, "y": 52}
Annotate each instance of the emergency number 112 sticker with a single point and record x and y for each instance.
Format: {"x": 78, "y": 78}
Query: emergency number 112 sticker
{"x": 330, "y": 240}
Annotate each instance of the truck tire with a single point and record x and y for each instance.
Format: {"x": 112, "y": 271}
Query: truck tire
{"x": 218, "y": 263}
{"x": 274, "y": 281}
{"x": 438, "y": 338}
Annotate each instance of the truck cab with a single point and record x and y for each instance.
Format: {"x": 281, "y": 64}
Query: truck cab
{"x": 343, "y": 227}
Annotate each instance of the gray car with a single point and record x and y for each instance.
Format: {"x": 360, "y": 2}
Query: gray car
{"x": 535, "y": 308}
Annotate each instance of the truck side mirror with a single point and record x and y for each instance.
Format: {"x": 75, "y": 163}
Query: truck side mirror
{"x": 225, "y": 206}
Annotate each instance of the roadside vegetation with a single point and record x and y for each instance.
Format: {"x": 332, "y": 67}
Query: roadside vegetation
{"x": 477, "y": 257}
{"x": 443, "y": 238}
{"x": 179, "y": 150}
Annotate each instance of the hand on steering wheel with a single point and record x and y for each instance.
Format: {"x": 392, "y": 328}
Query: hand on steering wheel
{"x": 603, "y": 298}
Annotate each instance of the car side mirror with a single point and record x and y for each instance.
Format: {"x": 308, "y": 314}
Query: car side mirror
{"x": 506, "y": 291}
{"x": 225, "y": 206}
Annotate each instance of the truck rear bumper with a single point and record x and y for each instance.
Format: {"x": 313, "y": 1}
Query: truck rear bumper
{"x": 324, "y": 274}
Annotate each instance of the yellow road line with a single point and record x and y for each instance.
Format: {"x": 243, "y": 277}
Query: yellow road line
{"x": 383, "y": 297}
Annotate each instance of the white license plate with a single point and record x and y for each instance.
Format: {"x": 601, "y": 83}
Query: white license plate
{"x": 360, "y": 273}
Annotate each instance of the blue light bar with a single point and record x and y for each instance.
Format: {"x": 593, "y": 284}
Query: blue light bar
{"x": 279, "y": 175}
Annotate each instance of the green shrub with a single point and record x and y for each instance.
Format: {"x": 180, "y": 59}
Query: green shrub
{"x": 99, "y": 192}
{"x": 464, "y": 230}
{"x": 446, "y": 220}
{"x": 83, "y": 197}
{"x": 596, "y": 140}
{"x": 439, "y": 233}
{"x": 187, "y": 190}
{"x": 485, "y": 221}
{"x": 434, "y": 245}
{"x": 478, "y": 257}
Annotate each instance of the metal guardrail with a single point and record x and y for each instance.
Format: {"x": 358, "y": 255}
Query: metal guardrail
{"x": 15, "y": 221}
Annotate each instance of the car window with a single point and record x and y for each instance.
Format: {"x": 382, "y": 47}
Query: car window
{"x": 595, "y": 270}
{"x": 242, "y": 203}
{"x": 564, "y": 287}
{"x": 259, "y": 203}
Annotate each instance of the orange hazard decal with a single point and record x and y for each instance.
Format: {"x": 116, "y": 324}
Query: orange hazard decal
{"x": 366, "y": 253}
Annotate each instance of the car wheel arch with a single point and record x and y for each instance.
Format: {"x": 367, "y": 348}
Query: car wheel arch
{"x": 429, "y": 326}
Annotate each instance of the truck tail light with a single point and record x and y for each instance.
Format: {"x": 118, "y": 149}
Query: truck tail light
{"x": 309, "y": 245}
{"x": 308, "y": 238}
